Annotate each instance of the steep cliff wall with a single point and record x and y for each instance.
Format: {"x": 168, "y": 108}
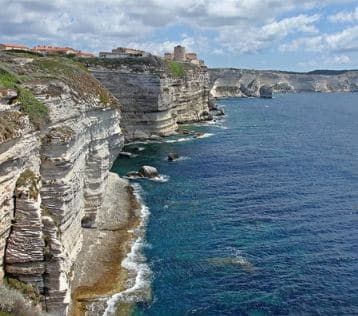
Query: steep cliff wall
{"x": 155, "y": 94}
{"x": 242, "y": 82}
{"x": 59, "y": 135}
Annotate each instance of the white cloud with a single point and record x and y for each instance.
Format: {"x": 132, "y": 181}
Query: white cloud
{"x": 257, "y": 38}
{"x": 327, "y": 61}
{"x": 344, "y": 16}
{"x": 234, "y": 26}
{"x": 344, "y": 41}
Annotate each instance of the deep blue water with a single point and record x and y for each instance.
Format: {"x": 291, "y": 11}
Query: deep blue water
{"x": 262, "y": 218}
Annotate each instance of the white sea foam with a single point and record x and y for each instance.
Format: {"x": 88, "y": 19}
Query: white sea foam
{"x": 161, "y": 178}
{"x": 205, "y": 135}
{"x": 179, "y": 140}
{"x": 139, "y": 273}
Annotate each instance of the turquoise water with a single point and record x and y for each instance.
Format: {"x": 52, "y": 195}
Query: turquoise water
{"x": 261, "y": 217}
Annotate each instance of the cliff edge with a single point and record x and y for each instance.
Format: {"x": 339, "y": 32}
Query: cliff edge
{"x": 156, "y": 94}
{"x": 59, "y": 135}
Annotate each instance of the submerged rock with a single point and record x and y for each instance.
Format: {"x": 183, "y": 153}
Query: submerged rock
{"x": 198, "y": 134}
{"x": 125, "y": 154}
{"x": 133, "y": 174}
{"x": 148, "y": 172}
{"x": 173, "y": 156}
{"x": 184, "y": 131}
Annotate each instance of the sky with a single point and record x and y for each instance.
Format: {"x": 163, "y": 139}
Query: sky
{"x": 298, "y": 35}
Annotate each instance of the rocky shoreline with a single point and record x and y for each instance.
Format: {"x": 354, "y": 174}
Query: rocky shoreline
{"x": 97, "y": 272}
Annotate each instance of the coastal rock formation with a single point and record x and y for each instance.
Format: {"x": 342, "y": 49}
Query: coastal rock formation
{"x": 155, "y": 95}
{"x": 266, "y": 92}
{"x": 232, "y": 82}
{"x": 58, "y": 140}
{"x": 148, "y": 172}
{"x": 60, "y": 132}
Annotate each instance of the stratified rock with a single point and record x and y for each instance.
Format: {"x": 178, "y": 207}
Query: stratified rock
{"x": 266, "y": 92}
{"x": 173, "y": 156}
{"x": 154, "y": 100}
{"x": 148, "y": 172}
{"x": 53, "y": 180}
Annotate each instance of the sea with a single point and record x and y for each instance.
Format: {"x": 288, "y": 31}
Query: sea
{"x": 258, "y": 216}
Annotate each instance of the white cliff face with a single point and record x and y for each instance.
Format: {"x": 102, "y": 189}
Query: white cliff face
{"x": 247, "y": 83}
{"x": 58, "y": 142}
{"x": 154, "y": 101}
{"x": 51, "y": 181}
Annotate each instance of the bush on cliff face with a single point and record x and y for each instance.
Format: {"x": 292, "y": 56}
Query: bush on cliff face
{"x": 36, "y": 110}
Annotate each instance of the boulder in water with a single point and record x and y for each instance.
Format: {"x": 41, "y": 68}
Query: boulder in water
{"x": 173, "y": 156}
{"x": 148, "y": 172}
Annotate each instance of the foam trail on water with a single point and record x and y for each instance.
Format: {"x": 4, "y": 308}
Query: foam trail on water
{"x": 160, "y": 178}
{"x": 139, "y": 272}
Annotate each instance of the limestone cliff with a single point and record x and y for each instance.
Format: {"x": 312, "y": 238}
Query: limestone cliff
{"x": 155, "y": 94}
{"x": 60, "y": 132}
{"x": 232, "y": 82}
{"x": 59, "y": 135}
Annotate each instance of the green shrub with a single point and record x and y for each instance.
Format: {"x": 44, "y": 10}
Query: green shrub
{"x": 36, "y": 110}
{"x": 176, "y": 68}
{"x": 7, "y": 80}
{"x": 26, "y": 289}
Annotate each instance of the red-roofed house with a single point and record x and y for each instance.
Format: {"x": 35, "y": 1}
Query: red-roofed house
{"x": 54, "y": 49}
{"x": 13, "y": 47}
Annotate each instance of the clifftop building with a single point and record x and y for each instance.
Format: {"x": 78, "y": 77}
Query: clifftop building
{"x": 179, "y": 54}
{"x": 13, "y": 47}
{"x": 61, "y": 50}
{"x": 124, "y": 52}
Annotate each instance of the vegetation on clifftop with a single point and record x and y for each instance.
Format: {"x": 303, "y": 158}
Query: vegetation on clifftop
{"x": 7, "y": 80}
{"x": 36, "y": 110}
{"x": 176, "y": 68}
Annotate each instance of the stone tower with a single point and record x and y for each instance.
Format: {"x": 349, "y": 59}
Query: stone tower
{"x": 179, "y": 53}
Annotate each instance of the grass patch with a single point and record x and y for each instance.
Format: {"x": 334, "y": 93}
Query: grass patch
{"x": 7, "y": 80}
{"x": 176, "y": 68}
{"x": 36, "y": 110}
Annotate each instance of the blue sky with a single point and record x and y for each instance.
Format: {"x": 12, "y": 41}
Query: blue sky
{"x": 260, "y": 34}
